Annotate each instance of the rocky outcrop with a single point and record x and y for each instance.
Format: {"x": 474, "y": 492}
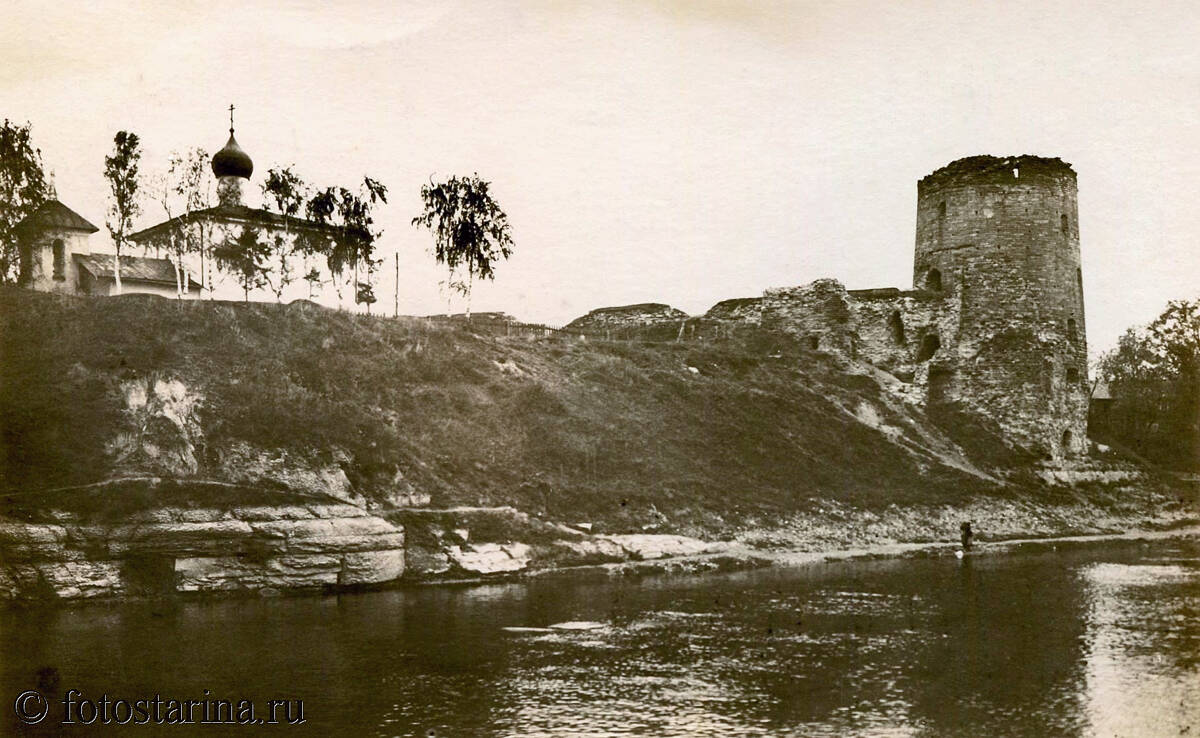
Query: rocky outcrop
{"x": 475, "y": 542}
{"x": 257, "y": 548}
{"x": 490, "y": 558}
{"x": 659, "y": 546}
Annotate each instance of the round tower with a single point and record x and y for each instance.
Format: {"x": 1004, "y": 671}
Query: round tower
{"x": 999, "y": 238}
{"x": 232, "y": 167}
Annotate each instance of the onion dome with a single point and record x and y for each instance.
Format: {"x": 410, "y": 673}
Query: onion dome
{"x": 232, "y": 161}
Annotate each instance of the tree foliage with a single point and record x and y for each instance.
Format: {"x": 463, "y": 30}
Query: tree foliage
{"x": 23, "y": 188}
{"x": 1154, "y": 377}
{"x": 121, "y": 171}
{"x": 284, "y": 193}
{"x": 470, "y": 231}
{"x": 349, "y": 218}
{"x": 182, "y": 190}
{"x": 193, "y": 184}
{"x": 247, "y": 256}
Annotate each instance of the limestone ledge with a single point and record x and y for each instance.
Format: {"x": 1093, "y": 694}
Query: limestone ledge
{"x": 199, "y": 550}
{"x": 499, "y": 559}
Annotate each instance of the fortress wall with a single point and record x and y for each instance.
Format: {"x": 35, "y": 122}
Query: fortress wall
{"x": 740, "y": 309}
{"x": 892, "y": 327}
{"x": 627, "y": 316}
{"x": 995, "y": 321}
{"x": 817, "y": 313}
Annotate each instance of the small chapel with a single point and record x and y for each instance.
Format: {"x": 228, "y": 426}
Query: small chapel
{"x": 55, "y": 255}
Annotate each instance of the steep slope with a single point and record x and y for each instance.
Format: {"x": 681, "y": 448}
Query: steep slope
{"x": 681, "y": 435}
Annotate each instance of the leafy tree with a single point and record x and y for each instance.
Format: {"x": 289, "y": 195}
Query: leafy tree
{"x": 352, "y": 234}
{"x": 192, "y": 179}
{"x": 22, "y": 189}
{"x": 121, "y": 171}
{"x": 183, "y": 190}
{"x": 246, "y": 256}
{"x": 284, "y": 192}
{"x": 365, "y": 295}
{"x": 1154, "y": 377}
{"x": 470, "y": 231}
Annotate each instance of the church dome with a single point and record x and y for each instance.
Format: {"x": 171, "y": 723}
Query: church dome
{"x": 232, "y": 161}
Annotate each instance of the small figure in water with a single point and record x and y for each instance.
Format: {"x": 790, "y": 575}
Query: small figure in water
{"x": 965, "y": 530}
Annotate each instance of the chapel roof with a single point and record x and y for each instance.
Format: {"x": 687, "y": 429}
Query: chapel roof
{"x": 52, "y": 214}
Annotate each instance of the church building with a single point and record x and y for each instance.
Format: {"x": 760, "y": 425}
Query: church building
{"x": 56, "y": 257}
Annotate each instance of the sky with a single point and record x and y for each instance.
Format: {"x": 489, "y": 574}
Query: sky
{"x": 659, "y": 151}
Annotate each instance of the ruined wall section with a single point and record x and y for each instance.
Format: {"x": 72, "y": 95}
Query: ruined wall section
{"x": 627, "y": 316}
{"x": 738, "y": 309}
{"x": 908, "y": 333}
{"x": 818, "y": 314}
{"x": 1002, "y": 235}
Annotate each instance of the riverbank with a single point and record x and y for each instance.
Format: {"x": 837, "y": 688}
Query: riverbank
{"x": 273, "y": 544}
{"x": 834, "y": 531}
{"x": 155, "y": 448}
{"x": 740, "y": 558}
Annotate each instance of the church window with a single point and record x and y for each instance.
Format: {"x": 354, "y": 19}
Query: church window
{"x": 814, "y": 342}
{"x": 929, "y": 346}
{"x": 933, "y": 280}
{"x": 1072, "y": 375}
{"x": 942, "y": 209}
{"x": 1072, "y": 329}
{"x": 896, "y": 328}
{"x": 1066, "y": 442}
{"x": 1066, "y": 224}
{"x": 60, "y": 259}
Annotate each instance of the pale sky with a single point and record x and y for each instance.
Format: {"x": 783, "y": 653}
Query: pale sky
{"x": 672, "y": 151}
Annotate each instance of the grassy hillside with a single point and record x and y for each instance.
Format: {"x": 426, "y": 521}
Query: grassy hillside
{"x": 686, "y": 435}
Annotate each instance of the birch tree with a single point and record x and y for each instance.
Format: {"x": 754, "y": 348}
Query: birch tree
{"x": 284, "y": 193}
{"x": 470, "y": 231}
{"x": 121, "y": 171}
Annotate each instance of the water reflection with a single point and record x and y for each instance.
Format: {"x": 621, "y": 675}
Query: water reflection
{"x": 1085, "y": 643}
{"x": 1142, "y": 648}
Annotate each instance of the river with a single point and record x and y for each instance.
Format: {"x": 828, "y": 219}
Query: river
{"x": 1101, "y": 641}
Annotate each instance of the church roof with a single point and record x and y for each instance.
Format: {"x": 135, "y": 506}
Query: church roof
{"x": 133, "y": 268}
{"x": 1101, "y": 391}
{"x": 238, "y": 215}
{"x": 52, "y": 214}
{"x": 232, "y": 160}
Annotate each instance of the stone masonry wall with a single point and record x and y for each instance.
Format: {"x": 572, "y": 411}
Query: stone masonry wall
{"x": 1002, "y": 235}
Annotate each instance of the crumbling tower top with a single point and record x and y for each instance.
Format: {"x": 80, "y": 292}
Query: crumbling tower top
{"x": 1000, "y": 170}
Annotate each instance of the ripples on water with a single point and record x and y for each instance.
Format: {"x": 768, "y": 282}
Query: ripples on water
{"x": 1100, "y": 642}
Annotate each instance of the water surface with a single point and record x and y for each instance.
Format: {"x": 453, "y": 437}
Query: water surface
{"x": 1103, "y": 641}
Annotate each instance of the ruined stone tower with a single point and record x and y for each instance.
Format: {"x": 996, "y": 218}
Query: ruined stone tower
{"x": 994, "y": 325}
{"x": 1000, "y": 238}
